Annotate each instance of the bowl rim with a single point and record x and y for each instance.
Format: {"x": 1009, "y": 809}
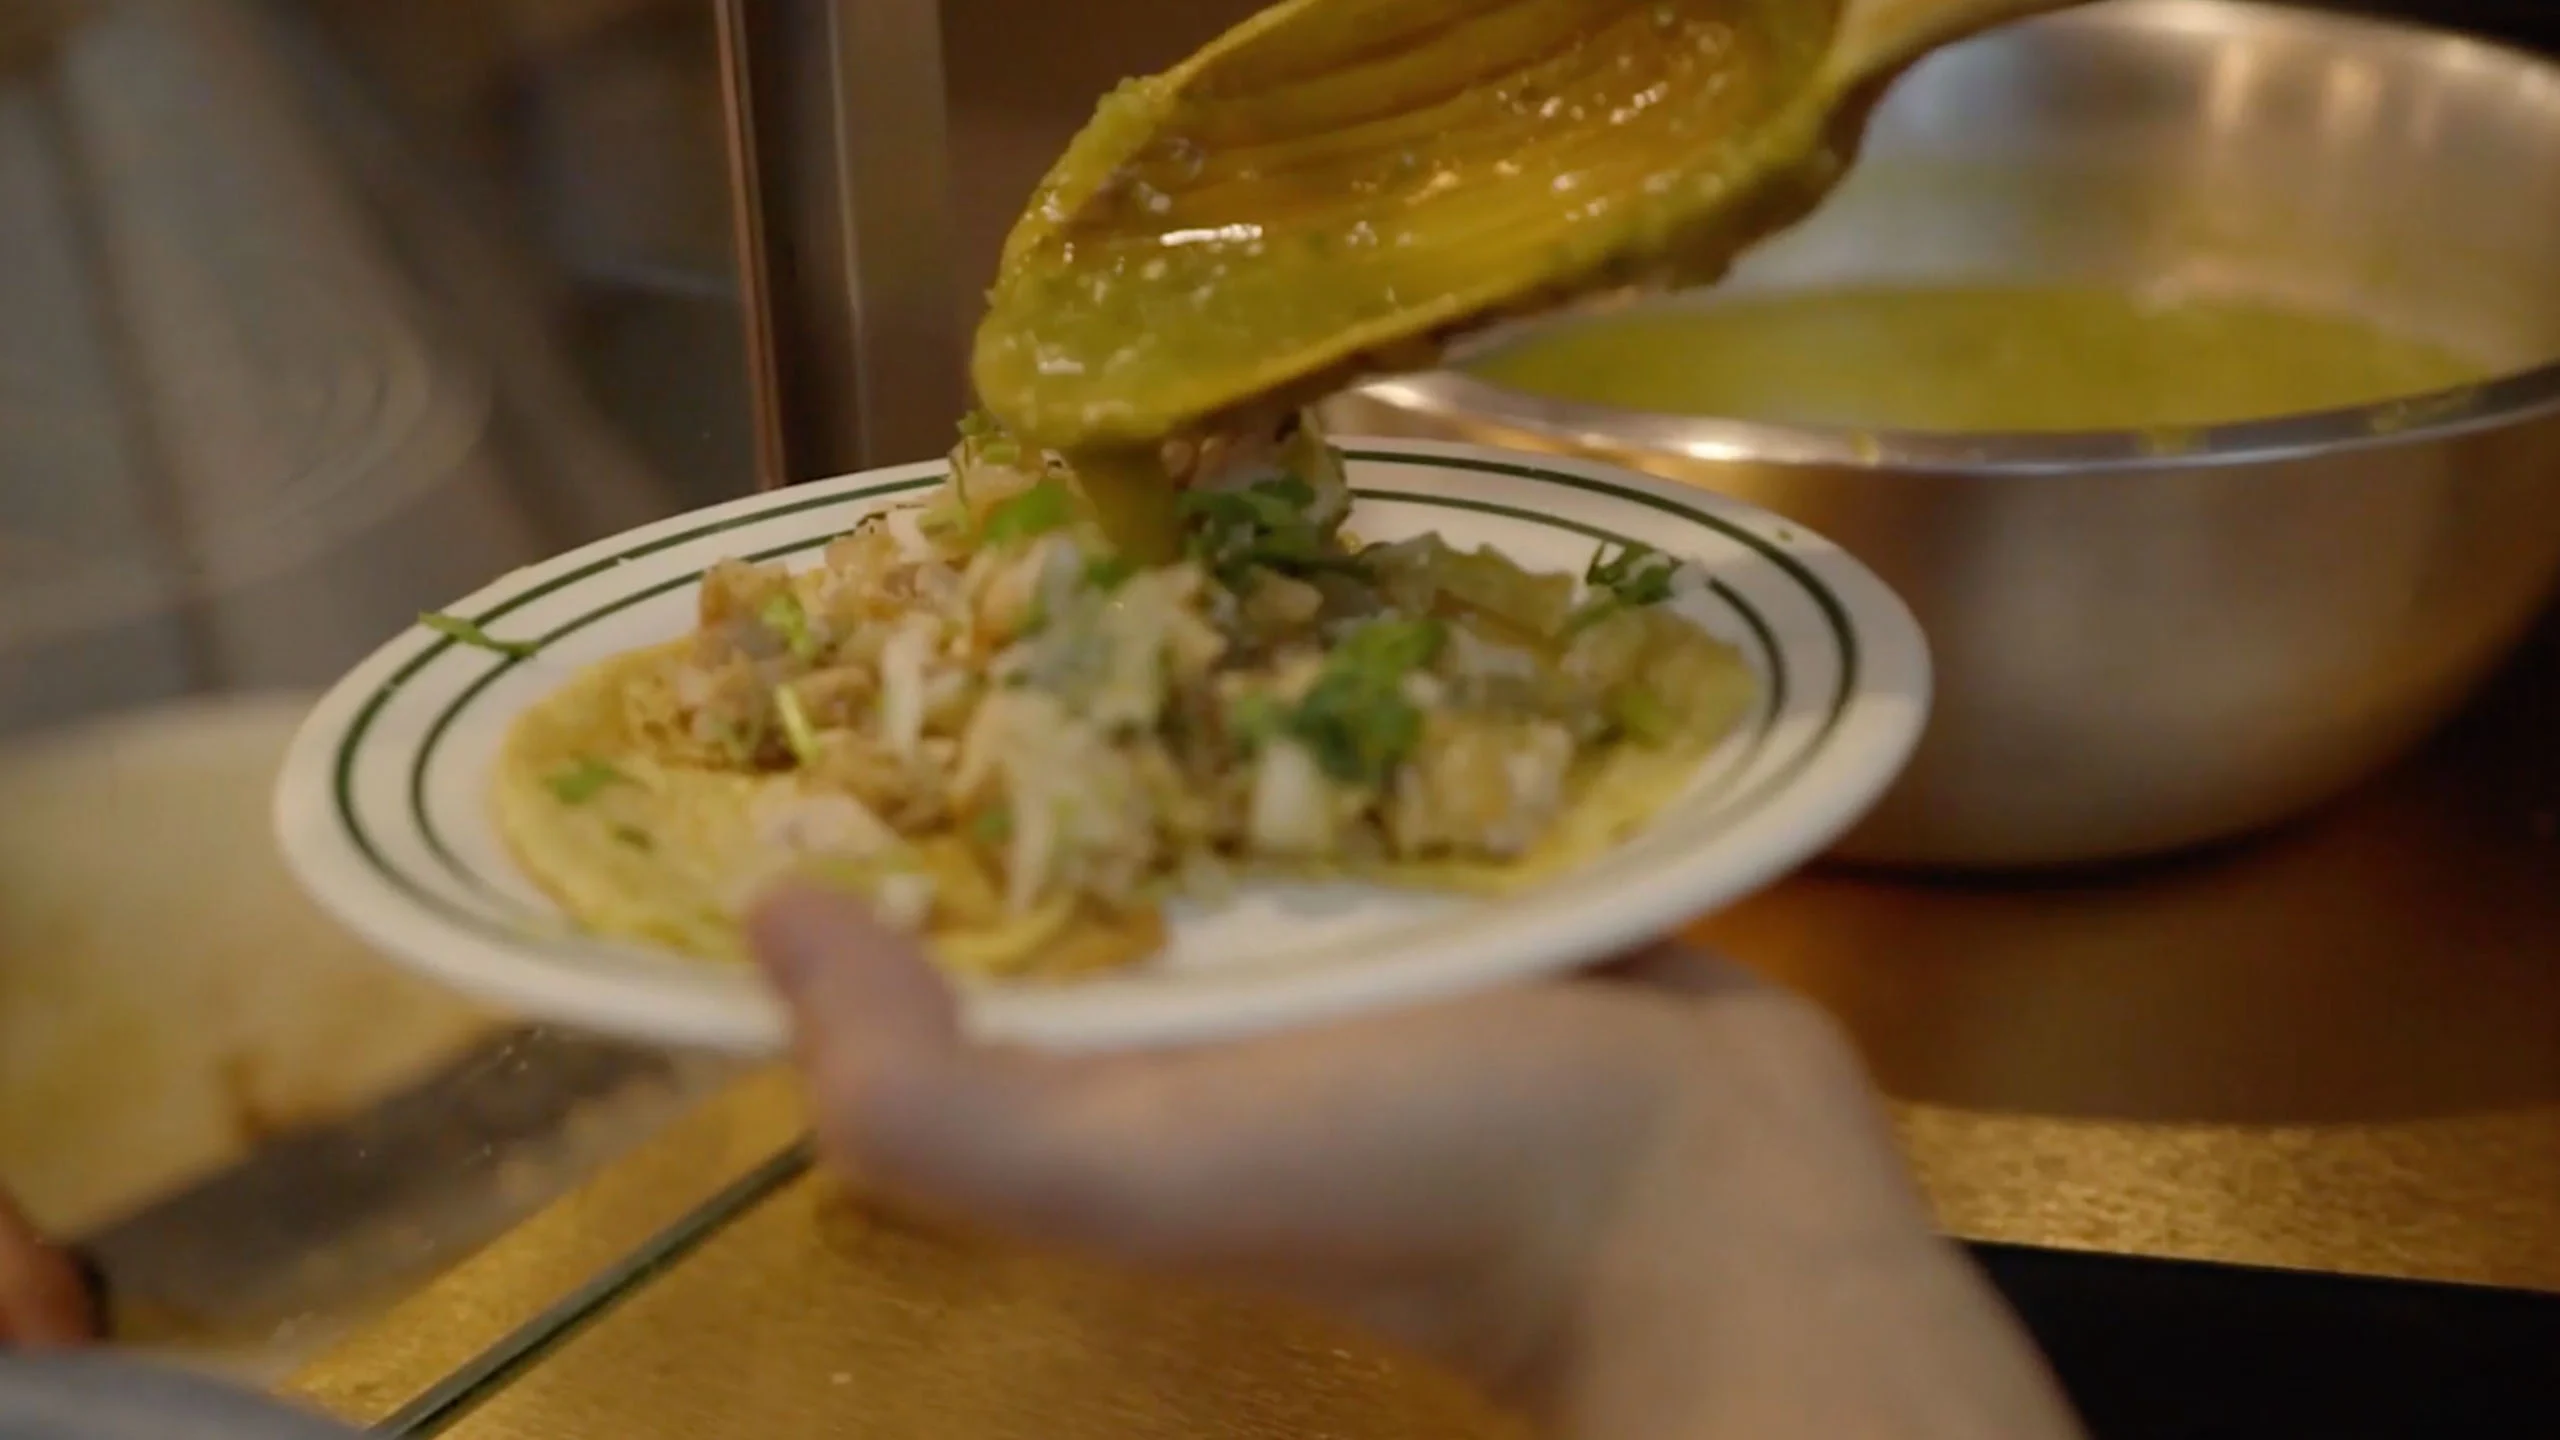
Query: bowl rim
{"x": 2449, "y": 413}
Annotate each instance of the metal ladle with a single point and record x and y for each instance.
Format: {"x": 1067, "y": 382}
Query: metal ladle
{"x": 1339, "y": 187}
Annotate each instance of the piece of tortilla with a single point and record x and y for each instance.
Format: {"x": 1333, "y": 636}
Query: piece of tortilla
{"x": 663, "y": 855}
{"x": 667, "y": 855}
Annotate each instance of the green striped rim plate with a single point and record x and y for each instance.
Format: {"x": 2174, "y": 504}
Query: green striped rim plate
{"x": 382, "y": 812}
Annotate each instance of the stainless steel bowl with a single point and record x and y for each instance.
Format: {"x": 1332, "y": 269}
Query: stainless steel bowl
{"x": 2146, "y": 642}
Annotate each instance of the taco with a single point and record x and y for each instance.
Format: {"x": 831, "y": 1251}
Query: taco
{"x": 1020, "y": 744}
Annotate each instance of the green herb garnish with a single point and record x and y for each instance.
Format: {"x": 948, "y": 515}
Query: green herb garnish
{"x": 798, "y": 735}
{"x": 1107, "y": 573}
{"x": 986, "y": 440}
{"x": 1044, "y": 507}
{"x": 1384, "y": 651}
{"x": 1271, "y": 524}
{"x": 1256, "y": 717}
{"x": 739, "y": 741}
{"x": 635, "y": 837}
{"x": 992, "y": 826}
{"x": 1637, "y": 576}
{"x": 1277, "y": 504}
{"x": 578, "y": 783}
{"x": 465, "y": 632}
{"x": 945, "y": 524}
{"x": 1355, "y": 719}
{"x": 785, "y": 616}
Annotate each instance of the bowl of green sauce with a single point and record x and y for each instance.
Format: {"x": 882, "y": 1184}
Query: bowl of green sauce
{"x": 2192, "y": 368}
{"x": 2019, "y": 358}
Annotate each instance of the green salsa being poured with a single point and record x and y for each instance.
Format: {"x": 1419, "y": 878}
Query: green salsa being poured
{"x": 1989, "y": 358}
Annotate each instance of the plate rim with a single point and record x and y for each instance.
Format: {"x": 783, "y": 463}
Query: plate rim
{"x": 1886, "y": 685}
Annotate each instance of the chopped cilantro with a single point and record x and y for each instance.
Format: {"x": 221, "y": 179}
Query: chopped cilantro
{"x": 1304, "y": 453}
{"x": 1637, "y": 576}
{"x": 1357, "y": 734}
{"x": 739, "y": 741}
{"x": 987, "y": 441}
{"x": 1275, "y": 504}
{"x": 1257, "y": 717}
{"x": 466, "y": 632}
{"x": 1044, "y": 507}
{"x": 578, "y": 783}
{"x": 635, "y": 837}
{"x": 992, "y": 826}
{"x": 1384, "y": 650}
{"x": 1107, "y": 573}
{"x": 797, "y": 733}
{"x": 1271, "y": 524}
{"x": 785, "y": 616}
{"x": 1282, "y": 498}
{"x": 1355, "y": 719}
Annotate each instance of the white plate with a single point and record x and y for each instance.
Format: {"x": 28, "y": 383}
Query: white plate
{"x": 382, "y": 803}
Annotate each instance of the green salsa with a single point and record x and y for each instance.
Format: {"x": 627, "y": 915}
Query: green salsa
{"x": 1330, "y": 184}
{"x": 2015, "y": 358}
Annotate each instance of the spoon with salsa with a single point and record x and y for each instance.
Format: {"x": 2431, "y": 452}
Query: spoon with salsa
{"x": 1336, "y": 188}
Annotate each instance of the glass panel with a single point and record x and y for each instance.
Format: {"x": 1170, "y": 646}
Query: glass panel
{"x": 313, "y": 313}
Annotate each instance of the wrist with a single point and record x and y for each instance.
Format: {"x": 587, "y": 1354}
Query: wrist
{"x": 1770, "y": 1269}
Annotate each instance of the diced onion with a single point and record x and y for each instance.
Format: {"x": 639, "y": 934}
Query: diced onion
{"x": 1292, "y": 812}
{"x": 903, "y": 699}
{"x": 903, "y": 899}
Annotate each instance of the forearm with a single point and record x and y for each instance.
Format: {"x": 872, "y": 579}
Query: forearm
{"x": 1774, "y": 1274}
{"x": 1909, "y": 1346}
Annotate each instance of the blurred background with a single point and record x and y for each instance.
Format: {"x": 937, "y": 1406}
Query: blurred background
{"x": 314, "y": 313}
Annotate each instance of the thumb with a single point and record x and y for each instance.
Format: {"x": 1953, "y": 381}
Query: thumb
{"x": 864, "y": 999}
{"x": 913, "y": 1112}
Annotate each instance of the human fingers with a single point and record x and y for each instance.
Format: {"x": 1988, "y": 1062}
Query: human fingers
{"x": 1679, "y": 966}
{"x": 42, "y": 1301}
{"x": 905, "y": 1104}
{"x": 1367, "y": 1141}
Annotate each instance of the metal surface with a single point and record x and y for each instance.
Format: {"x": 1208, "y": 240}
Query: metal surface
{"x": 110, "y": 1397}
{"x": 2145, "y": 641}
{"x": 840, "y": 155}
{"x": 381, "y": 1193}
{"x": 2334, "y": 1047}
{"x": 710, "y": 1286}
